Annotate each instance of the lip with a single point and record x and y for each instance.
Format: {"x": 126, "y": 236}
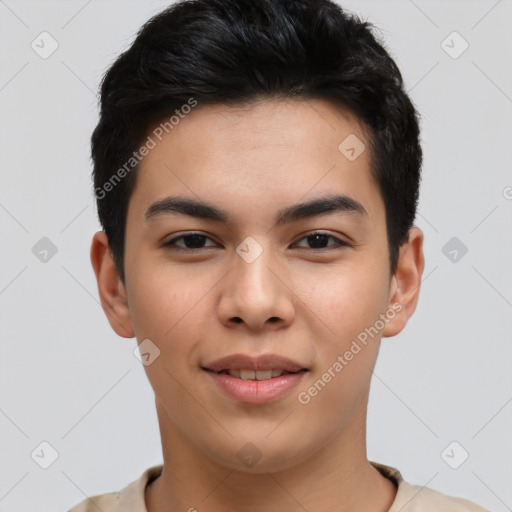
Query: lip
{"x": 255, "y": 391}
{"x": 263, "y": 362}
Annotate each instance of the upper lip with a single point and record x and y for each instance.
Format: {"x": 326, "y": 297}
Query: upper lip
{"x": 263, "y": 362}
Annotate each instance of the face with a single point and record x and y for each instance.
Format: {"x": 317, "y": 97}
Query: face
{"x": 286, "y": 257}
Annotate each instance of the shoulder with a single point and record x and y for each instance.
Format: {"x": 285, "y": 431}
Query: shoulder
{"x": 105, "y": 502}
{"x": 423, "y": 499}
{"x": 415, "y": 498}
{"x": 129, "y": 499}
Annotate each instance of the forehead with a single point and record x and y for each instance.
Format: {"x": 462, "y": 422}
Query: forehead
{"x": 259, "y": 155}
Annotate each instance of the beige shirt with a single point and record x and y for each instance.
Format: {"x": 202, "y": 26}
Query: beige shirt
{"x": 409, "y": 498}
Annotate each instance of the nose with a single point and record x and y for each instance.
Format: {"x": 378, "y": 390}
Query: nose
{"x": 256, "y": 295}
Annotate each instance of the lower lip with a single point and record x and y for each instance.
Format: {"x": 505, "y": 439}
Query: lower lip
{"x": 256, "y": 391}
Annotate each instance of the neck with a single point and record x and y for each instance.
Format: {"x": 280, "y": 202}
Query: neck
{"x": 337, "y": 478}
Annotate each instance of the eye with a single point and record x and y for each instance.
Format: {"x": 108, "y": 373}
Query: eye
{"x": 190, "y": 241}
{"x": 316, "y": 240}
{"x": 319, "y": 241}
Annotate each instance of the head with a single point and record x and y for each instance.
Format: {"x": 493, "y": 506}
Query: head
{"x": 273, "y": 119}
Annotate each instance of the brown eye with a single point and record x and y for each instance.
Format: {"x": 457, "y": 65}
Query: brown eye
{"x": 189, "y": 242}
{"x": 321, "y": 240}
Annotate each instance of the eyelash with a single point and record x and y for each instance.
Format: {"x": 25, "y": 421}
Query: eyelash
{"x": 339, "y": 243}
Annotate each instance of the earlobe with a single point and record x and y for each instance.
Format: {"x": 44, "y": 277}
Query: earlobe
{"x": 405, "y": 283}
{"x": 110, "y": 287}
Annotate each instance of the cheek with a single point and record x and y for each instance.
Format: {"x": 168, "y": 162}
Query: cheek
{"x": 349, "y": 299}
{"x": 169, "y": 312}
{"x": 163, "y": 304}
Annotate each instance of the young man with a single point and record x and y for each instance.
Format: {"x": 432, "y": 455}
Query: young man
{"x": 256, "y": 169}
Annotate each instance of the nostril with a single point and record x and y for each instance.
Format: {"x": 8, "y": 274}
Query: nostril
{"x": 237, "y": 319}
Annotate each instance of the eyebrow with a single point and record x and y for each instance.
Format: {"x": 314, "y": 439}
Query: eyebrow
{"x": 288, "y": 215}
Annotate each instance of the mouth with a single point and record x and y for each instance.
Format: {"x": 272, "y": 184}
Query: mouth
{"x": 246, "y": 374}
{"x": 262, "y": 367}
{"x": 256, "y": 380}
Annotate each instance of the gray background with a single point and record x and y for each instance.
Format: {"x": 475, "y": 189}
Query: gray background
{"x": 67, "y": 379}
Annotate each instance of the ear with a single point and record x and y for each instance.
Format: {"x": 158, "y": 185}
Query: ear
{"x": 405, "y": 284}
{"x": 110, "y": 287}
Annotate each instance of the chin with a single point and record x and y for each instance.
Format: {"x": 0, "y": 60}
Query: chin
{"x": 259, "y": 455}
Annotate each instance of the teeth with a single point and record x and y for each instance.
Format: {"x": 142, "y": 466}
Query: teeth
{"x": 248, "y": 374}
{"x": 255, "y": 375}
{"x": 263, "y": 375}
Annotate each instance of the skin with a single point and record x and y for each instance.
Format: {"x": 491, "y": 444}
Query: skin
{"x": 297, "y": 299}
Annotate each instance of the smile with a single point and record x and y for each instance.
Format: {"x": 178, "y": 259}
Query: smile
{"x": 255, "y": 374}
